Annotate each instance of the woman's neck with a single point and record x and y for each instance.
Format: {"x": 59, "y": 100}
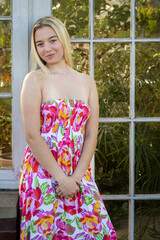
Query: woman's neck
{"x": 58, "y": 68}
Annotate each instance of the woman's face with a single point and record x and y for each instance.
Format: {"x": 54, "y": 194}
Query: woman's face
{"x": 48, "y": 45}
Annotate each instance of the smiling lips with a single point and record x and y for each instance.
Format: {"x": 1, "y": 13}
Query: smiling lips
{"x": 50, "y": 55}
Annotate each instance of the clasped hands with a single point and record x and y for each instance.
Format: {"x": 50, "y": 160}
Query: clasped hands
{"x": 68, "y": 187}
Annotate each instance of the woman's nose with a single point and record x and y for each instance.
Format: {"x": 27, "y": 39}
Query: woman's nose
{"x": 47, "y": 47}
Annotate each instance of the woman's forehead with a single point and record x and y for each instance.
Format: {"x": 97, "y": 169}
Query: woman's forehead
{"x": 44, "y": 32}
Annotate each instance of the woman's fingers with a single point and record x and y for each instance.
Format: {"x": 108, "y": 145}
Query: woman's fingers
{"x": 68, "y": 188}
{"x": 58, "y": 190}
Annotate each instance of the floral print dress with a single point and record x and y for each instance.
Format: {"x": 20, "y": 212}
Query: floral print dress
{"x": 45, "y": 215}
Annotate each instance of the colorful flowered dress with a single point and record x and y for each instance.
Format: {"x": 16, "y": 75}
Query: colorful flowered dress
{"x": 45, "y": 215}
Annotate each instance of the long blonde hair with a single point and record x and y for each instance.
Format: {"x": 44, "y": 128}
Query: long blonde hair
{"x": 59, "y": 28}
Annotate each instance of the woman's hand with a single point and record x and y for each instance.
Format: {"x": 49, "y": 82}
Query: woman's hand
{"x": 68, "y": 187}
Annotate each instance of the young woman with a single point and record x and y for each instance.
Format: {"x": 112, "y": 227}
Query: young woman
{"x": 58, "y": 196}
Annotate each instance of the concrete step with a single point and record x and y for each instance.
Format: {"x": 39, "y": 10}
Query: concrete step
{"x": 8, "y": 215}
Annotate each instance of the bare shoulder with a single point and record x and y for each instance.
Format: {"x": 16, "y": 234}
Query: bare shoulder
{"x": 86, "y": 78}
{"x": 89, "y": 81}
{"x": 34, "y": 77}
{"x": 93, "y": 94}
{"x": 32, "y": 87}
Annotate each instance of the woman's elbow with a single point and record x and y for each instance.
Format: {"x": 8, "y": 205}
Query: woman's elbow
{"x": 31, "y": 137}
{"x": 91, "y": 135}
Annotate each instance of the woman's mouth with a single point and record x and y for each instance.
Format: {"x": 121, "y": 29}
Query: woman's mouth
{"x": 50, "y": 55}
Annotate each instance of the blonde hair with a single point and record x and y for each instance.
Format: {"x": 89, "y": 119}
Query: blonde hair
{"x": 59, "y": 28}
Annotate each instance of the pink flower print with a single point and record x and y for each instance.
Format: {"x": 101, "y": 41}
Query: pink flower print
{"x": 61, "y": 224}
{"x": 64, "y": 155}
{"x": 109, "y": 225}
{"x": 75, "y": 159}
{"x": 37, "y": 193}
{"x": 80, "y": 114}
{"x": 42, "y": 173}
{"x": 35, "y": 166}
{"x": 26, "y": 211}
{"x": 112, "y": 231}
{"x": 70, "y": 209}
{"x": 113, "y": 235}
{"x": 45, "y": 223}
{"x": 91, "y": 223}
{"x": 87, "y": 175}
{"x": 67, "y": 133}
{"x": 88, "y": 237}
{"x": 49, "y": 116}
{"x": 32, "y": 202}
{"x": 72, "y": 144}
{"x": 97, "y": 207}
{"x": 107, "y": 237}
{"x": 37, "y": 201}
{"x": 63, "y": 113}
{"x": 54, "y": 153}
{"x": 61, "y": 235}
{"x": 73, "y": 205}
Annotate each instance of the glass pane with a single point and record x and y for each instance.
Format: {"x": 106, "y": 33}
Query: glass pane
{"x": 112, "y": 158}
{"x": 112, "y": 19}
{"x": 147, "y": 220}
{"x": 5, "y": 57}
{"x": 5, "y": 8}
{"x": 81, "y": 57}
{"x": 147, "y": 79}
{"x": 147, "y": 18}
{"x": 112, "y": 74}
{"x": 74, "y": 14}
{"x": 147, "y": 157}
{"x": 5, "y": 133}
{"x": 118, "y": 212}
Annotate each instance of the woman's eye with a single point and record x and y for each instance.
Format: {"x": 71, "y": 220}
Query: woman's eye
{"x": 52, "y": 41}
{"x": 40, "y": 44}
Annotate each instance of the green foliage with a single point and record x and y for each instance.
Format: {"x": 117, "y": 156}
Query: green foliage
{"x": 118, "y": 212}
{"x": 5, "y": 84}
{"x": 75, "y": 16}
{"x": 112, "y": 19}
{"x": 5, "y": 126}
{"x": 147, "y": 18}
{"x": 5, "y": 39}
{"x": 112, "y": 78}
{"x": 147, "y": 220}
{"x": 147, "y": 79}
{"x": 5, "y": 8}
{"x": 147, "y": 155}
{"x": 81, "y": 57}
{"x": 112, "y": 158}
{"x": 5, "y": 57}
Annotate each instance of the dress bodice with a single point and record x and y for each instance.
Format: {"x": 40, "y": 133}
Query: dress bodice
{"x": 61, "y": 114}
{"x": 63, "y": 127}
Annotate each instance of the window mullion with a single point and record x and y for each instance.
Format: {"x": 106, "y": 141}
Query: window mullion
{"x": 132, "y": 125}
{"x": 91, "y": 29}
{"x": 5, "y": 95}
{"x": 19, "y": 69}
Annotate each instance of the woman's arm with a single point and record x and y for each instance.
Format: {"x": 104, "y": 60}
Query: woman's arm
{"x": 30, "y": 104}
{"x": 91, "y": 131}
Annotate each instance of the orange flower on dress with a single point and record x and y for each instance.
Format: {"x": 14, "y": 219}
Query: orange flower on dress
{"x": 91, "y": 223}
{"x": 45, "y": 224}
